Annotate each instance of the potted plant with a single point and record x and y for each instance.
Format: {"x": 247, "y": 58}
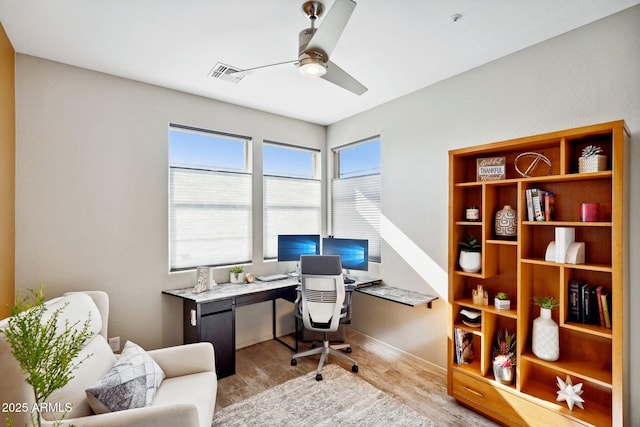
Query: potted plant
{"x": 545, "y": 337}
{"x": 470, "y": 254}
{"x": 504, "y": 357}
{"x": 44, "y": 347}
{"x": 502, "y": 301}
{"x": 592, "y": 160}
{"x": 235, "y": 274}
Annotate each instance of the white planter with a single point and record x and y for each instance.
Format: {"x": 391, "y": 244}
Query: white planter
{"x": 502, "y": 304}
{"x": 595, "y": 163}
{"x": 545, "y": 336}
{"x": 236, "y": 277}
{"x": 470, "y": 261}
{"x": 504, "y": 375}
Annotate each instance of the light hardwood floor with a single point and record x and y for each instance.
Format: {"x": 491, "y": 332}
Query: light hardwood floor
{"x": 415, "y": 383}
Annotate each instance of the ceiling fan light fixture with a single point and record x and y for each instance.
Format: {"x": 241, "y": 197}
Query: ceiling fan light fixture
{"x": 310, "y": 68}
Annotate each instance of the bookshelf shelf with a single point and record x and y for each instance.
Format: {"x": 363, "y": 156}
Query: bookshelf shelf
{"x": 584, "y": 370}
{"x": 590, "y": 267}
{"x": 468, "y": 302}
{"x": 567, "y": 223}
{"x": 502, "y": 242}
{"x": 545, "y": 394}
{"x": 589, "y": 353}
{"x": 589, "y": 329}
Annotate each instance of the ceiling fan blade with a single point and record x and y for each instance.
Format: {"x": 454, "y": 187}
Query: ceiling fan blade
{"x": 263, "y": 68}
{"x": 338, "y": 76}
{"x": 326, "y": 37}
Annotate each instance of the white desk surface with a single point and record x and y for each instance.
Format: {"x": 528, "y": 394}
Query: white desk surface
{"x": 366, "y": 285}
{"x": 230, "y": 290}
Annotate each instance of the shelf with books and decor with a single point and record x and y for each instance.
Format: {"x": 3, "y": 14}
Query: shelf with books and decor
{"x": 548, "y": 212}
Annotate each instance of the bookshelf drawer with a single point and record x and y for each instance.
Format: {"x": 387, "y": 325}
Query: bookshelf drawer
{"x": 480, "y": 395}
{"x": 505, "y": 405}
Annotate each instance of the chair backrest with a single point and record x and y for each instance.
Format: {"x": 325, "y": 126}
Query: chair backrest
{"x": 322, "y": 292}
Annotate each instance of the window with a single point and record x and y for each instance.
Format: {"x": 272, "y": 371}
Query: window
{"x": 209, "y": 198}
{"x": 292, "y": 193}
{"x": 355, "y": 193}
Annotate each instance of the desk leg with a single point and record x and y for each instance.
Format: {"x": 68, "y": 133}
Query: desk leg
{"x": 273, "y": 328}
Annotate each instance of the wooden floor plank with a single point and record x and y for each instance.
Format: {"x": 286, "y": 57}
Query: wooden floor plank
{"x": 411, "y": 381}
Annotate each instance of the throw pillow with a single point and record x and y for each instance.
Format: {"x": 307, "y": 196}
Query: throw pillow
{"x": 131, "y": 383}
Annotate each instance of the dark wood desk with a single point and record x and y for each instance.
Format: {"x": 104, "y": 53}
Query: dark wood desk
{"x": 210, "y": 315}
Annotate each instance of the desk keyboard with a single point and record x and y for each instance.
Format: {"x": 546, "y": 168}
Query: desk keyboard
{"x": 272, "y": 277}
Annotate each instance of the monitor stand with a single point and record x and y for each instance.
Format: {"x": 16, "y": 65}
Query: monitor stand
{"x": 346, "y": 278}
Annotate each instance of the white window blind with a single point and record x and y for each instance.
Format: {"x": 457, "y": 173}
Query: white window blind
{"x": 210, "y": 225}
{"x": 356, "y": 210}
{"x": 210, "y": 199}
{"x": 292, "y": 194}
{"x": 355, "y": 194}
{"x": 291, "y": 206}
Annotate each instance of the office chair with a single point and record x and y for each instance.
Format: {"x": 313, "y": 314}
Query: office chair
{"x": 323, "y": 305}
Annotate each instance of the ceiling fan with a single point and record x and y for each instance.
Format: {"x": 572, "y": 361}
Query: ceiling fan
{"x": 316, "y": 45}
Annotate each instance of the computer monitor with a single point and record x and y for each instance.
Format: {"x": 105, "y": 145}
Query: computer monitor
{"x": 353, "y": 252}
{"x": 291, "y": 246}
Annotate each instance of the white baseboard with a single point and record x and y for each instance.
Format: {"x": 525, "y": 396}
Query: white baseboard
{"x": 402, "y": 352}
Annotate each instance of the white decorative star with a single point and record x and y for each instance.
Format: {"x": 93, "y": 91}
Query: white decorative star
{"x": 570, "y": 393}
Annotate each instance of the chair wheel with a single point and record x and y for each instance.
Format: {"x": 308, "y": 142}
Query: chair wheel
{"x": 348, "y": 350}
{"x": 318, "y": 377}
{"x": 294, "y": 362}
{"x": 354, "y": 368}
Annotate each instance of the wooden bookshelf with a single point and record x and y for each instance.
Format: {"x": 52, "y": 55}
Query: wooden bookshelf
{"x": 590, "y": 354}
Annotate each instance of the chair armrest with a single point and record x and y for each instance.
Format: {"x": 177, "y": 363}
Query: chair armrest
{"x": 297, "y": 306}
{"x": 185, "y": 359}
{"x": 179, "y": 414}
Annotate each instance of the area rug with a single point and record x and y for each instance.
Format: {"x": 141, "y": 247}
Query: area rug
{"x": 340, "y": 399}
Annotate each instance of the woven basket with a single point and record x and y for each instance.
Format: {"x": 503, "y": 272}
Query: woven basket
{"x": 595, "y": 163}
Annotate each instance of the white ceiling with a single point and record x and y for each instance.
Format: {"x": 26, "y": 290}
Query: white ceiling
{"x": 392, "y": 47}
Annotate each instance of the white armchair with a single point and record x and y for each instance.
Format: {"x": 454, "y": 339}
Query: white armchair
{"x": 186, "y": 396}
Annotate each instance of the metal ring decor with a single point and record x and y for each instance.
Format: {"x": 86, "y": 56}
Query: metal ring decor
{"x": 537, "y": 158}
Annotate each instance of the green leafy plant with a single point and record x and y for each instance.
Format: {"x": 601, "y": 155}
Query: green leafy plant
{"x": 504, "y": 351}
{"x": 546, "y": 302}
{"x": 470, "y": 244}
{"x": 237, "y": 269}
{"x": 45, "y": 353}
{"x": 502, "y": 296}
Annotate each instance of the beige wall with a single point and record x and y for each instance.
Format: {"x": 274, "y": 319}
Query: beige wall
{"x": 590, "y": 75}
{"x": 7, "y": 173}
{"x": 92, "y": 192}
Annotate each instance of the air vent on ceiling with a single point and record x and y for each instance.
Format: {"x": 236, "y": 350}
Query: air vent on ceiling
{"x": 223, "y": 72}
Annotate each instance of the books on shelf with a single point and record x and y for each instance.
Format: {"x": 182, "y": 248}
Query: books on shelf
{"x": 588, "y": 304}
{"x": 605, "y": 297}
{"x": 463, "y": 346}
{"x": 540, "y": 204}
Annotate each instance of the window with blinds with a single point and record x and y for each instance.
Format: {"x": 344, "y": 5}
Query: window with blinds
{"x": 292, "y": 193}
{"x": 210, "y": 205}
{"x": 355, "y": 194}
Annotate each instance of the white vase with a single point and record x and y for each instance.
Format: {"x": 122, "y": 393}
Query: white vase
{"x": 546, "y": 336}
{"x": 470, "y": 261}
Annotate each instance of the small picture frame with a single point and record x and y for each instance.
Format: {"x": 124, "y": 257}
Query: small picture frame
{"x": 491, "y": 168}
{"x": 204, "y": 279}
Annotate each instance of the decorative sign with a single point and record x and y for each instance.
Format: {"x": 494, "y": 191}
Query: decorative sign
{"x": 491, "y": 168}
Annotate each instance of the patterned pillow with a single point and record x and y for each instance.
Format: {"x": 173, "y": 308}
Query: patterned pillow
{"x": 131, "y": 383}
